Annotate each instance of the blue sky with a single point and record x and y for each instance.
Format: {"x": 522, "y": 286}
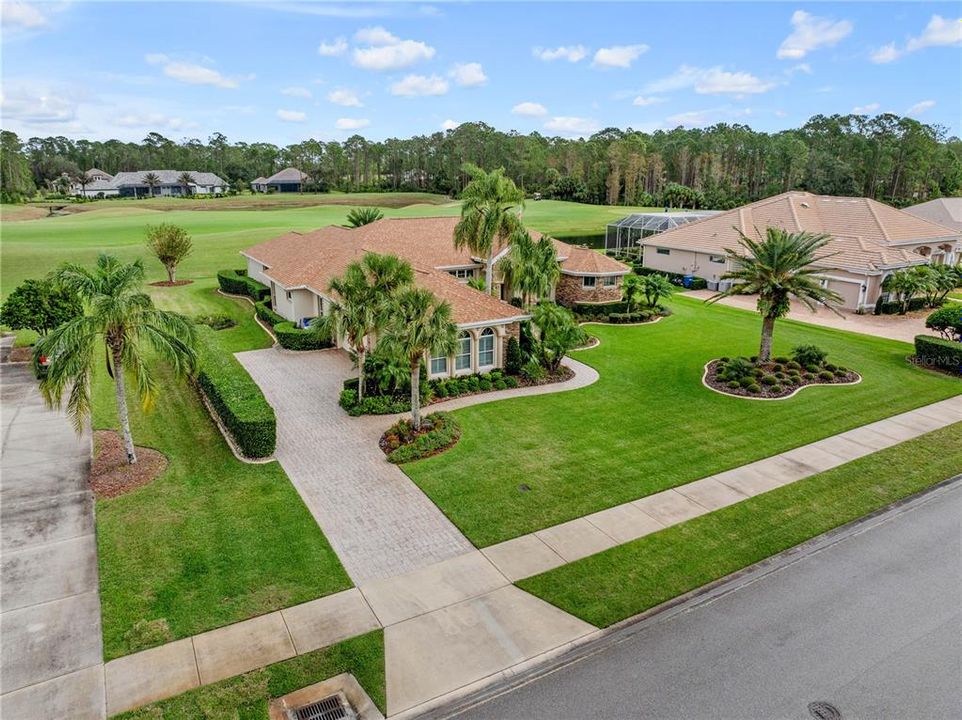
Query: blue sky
{"x": 285, "y": 71}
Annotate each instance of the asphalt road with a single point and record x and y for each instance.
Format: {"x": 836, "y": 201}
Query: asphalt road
{"x": 870, "y": 622}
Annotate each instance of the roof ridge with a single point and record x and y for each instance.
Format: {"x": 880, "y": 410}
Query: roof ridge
{"x": 878, "y": 221}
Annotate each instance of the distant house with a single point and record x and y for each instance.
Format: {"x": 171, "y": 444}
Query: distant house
{"x": 100, "y": 185}
{"x": 133, "y": 184}
{"x": 287, "y": 180}
{"x": 944, "y": 211}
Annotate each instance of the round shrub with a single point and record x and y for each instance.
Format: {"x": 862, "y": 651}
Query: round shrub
{"x": 775, "y": 388}
{"x": 745, "y": 382}
{"x": 500, "y": 384}
{"x": 841, "y": 375}
{"x": 777, "y": 368}
{"x": 754, "y": 388}
{"x": 781, "y": 359}
{"x": 826, "y": 375}
{"x": 511, "y": 382}
{"x": 809, "y": 355}
{"x": 808, "y": 376}
{"x": 723, "y": 359}
{"x": 734, "y": 384}
{"x": 830, "y": 367}
{"x": 758, "y": 372}
{"x": 792, "y": 365}
{"x": 812, "y": 368}
{"x": 792, "y": 380}
{"x": 769, "y": 380}
{"x": 780, "y": 375}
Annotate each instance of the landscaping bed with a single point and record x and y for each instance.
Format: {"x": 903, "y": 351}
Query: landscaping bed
{"x": 168, "y": 283}
{"x": 780, "y": 378}
{"x": 402, "y": 443}
{"x": 110, "y": 473}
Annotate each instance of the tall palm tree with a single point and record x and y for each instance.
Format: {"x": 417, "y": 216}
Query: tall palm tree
{"x": 124, "y": 319}
{"x": 362, "y": 305}
{"x": 185, "y": 179}
{"x": 420, "y": 325}
{"x": 530, "y": 268}
{"x": 152, "y": 180}
{"x": 83, "y": 180}
{"x": 487, "y": 214}
{"x": 778, "y": 269}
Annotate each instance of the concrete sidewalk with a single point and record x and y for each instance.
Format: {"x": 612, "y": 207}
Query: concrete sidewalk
{"x": 51, "y": 659}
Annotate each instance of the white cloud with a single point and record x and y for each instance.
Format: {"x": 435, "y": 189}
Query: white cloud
{"x": 25, "y": 16}
{"x": 618, "y": 56}
{"x": 154, "y": 121}
{"x": 938, "y": 33}
{"x": 811, "y": 32}
{"x": 338, "y": 47}
{"x": 800, "y": 68}
{"x": 468, "y": 74}
{"x": 921, "y": 107}
{"x": 530, "y": 109}
{"x": 419, "y": 85}
{"x": 351, "y": 123}
{"x": 344, "y": 97}
{"x": 291, "y": 115}
{"x": 191, "y": 73}
{"x": 37, "y": 105}
{"x": 571, "y": 53}
{"x": 701, "y": 118}
{"x": 572, "y": 126}
{"x": 385, "y": 51}
{"x": 297, "y": 91}
{"x": 865, "y": 109}
{"x": 449, "y": 124}
{"x": 642, "y": 101}
{"x": 711, "y": 81}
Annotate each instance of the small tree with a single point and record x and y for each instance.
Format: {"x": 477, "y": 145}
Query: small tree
{"x": 513, "y": 357}
{"x": 947, "y": 321}
{"x": 558, "y": 332}
{"x": 420, "y": 325}
{"x": 942, "y": 279}
{"x": 655, "y": 287}
{"x": 356, "y": 217}
{"x": 83, "y": 180}
{"x": 185, "y": 179}
{"x": 631, "y": 291}
{"x": 151, "y": 180}
{"x": 906, "y": 284}
{"x": 169, "y": 244}
{"x": 39, "y": 305}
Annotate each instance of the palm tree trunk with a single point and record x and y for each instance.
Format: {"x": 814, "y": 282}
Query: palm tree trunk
{"x": 489, "y": 275}
{"x": 768, "y": 331}
{"x": 416, "y": 395}
{"x": 120, "y": 389}
{"x": 361, "y": 354}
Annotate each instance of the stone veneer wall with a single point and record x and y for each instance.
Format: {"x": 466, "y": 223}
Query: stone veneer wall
{"x": 512, "y": 330}
{"x": 570, "y": 291}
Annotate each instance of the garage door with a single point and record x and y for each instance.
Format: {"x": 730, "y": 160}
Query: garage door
{"x": 849, "y": 292}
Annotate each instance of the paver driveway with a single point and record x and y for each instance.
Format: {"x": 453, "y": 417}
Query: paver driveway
{"x": 378, "y": 521}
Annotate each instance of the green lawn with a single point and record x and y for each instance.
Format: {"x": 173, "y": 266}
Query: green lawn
{"x": 648, "y": 424}
{"x": 246, "y": 697}
{"x": 213, "y": 540}
{"x": 631, "y": 578}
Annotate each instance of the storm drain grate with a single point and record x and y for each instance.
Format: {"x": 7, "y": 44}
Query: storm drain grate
{"x": 824, "y": 711}
{"x": 333, "y": 707}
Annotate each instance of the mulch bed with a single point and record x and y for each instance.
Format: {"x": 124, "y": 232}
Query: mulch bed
{"x": 21, "y": 354}
{"x": 765, "y": 391}
{"x": 562, "y": 374}
{"x": 168, "y": 283}
{"x": 110, "y": 475}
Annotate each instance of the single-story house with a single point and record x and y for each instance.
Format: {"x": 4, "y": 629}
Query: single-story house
{"x": 944, "y": 211}
{"x": 100, "y": 185}
{"x": 286, "y": 180}
{"x": 132, "y": 184}
{"x": 869, "y": 241}
{"x": 299, "y": 267}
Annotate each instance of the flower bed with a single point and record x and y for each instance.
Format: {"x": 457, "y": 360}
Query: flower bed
{"x": 401, "y": 443}
{"x": 779, "y": 378}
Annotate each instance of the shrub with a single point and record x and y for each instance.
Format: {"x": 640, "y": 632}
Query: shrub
{"x": 737, "y": 368}
{"x": 216, "y": 321}
{"x": 443, "y": 433}
{"x": 294, "y": 338}
{"x": 781, "y": 360}
{"x": 513, "y": 360}
{"x": 695, "y": 283}
{"x": 840, "y": 375}
{"x": 936, "y": 352}
{"x": 734, "y": 384}
{"x": 356, "y": 217}
{"x": 348, "y": 398}
{"x": 812, "y": 368}
{"x": 236, "y": 282}
{"x": 775, "y": 388}
{"x": 947, "y": 321}
{"x": 378, "y": 405}
{"x": 769, "y": 380}
{"x": 39, "y": 305}
{"x": 263, "y": 311}
{"x": 484, "y": 384}
{"x": 639, "y": 316}
{"x": 235, "y": 397}
{"x": 808, "y": 355}
{"x": 830, "y": 367}
{"x": 500, "y": 384}
{"x": 746, "y": 381}
{"x": 808, "y": 376}
{"x": 792, "y": 365}
{"x": 826, "y": 375}
{"x": 754, "y": 388}
{"x": 533, "y": 371}
{"x": 777, "y": 368}
{"x": 511, "y": 382}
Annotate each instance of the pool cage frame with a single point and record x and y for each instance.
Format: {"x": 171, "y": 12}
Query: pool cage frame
{"x": 622, "y": 237}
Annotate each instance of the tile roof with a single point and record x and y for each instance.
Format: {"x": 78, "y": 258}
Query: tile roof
{"x": 866, "y": 234}
{"x": 287, "y": 175}
{"x": 259, "y": 180}
{"x": 166, "y": 177}
{"x": 943, "y": 211}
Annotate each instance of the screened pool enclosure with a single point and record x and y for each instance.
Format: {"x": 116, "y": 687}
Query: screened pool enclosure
{"x": 622, "y": 237}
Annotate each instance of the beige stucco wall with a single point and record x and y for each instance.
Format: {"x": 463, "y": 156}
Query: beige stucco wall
{"x": 684, "y": 262}
{"x": 255, "y": 271}
{"x": 302, "y": 303}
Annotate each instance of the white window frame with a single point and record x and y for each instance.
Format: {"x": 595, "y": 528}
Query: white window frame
{"x": 610, "y": 281}
{"x": 464, "y": 274}
{"x": 720, "y": 259}
{"x": 589, "y": 282}
{"x": 460, "y": 354}
{"x": 662, "y": 251}
{"x": 290, "y": 296}
{"x": 443, "y": 370}
{"x": 485, "y": 334}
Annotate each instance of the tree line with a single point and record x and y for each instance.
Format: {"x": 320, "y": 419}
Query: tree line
{"x": 897, "y": 160}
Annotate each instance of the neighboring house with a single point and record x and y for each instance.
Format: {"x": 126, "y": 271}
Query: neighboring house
{"x": 299, "y": 267}
{"x": 870, "y": 240}
{"x": 287, "y": 180}
{"x": 131, "y": 184}
{"x": 101, "y": 185}
{"x": 944, "y": 211}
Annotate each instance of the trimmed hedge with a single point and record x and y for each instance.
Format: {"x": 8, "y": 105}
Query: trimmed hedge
{"x": 236, "y": 282}
{"x": 678, "y": 279}
{"x": 931, "y": 351}
{"x": 634, "y": 317}
{"x": 599, "y": 309}
{"x": 894, "y": 308}
{"x": 288, "y": 335}
{"x": 235, "y": 397}
{"x": 263, "y": 310}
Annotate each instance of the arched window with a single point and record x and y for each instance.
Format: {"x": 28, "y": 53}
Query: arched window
{"x": 462, "y": 359}
{"x": 486, "y": 348}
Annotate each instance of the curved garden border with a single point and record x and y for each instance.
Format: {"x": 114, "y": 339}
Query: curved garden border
{"x": 704, "y": 381}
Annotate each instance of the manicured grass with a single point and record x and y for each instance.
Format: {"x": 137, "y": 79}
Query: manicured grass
{"x": 631, "y": 578}
{"x": 649, "y": 424}
{"x": 213, "y": 540}
{"x": 246, "y": 697}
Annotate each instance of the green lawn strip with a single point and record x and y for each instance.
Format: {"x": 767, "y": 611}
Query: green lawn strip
{"x": 213, "y": 540}
{"x": 648, "y": 424}
{"x": 631, "y": 578}
{"x": 246, "y": 697}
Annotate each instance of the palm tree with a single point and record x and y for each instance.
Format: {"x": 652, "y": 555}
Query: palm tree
{"x": 906, "y": 283}
{"x": 631, "y": 291}
{"x": 420, "y": 325}
{"x": 152, "y": 180}
{"x": 487, "y": 204}
{"x": 83, "y": 180}
{"x": 185, "y": 180}
{"x": 131, "y": 329}
{"x": 655, "y": 287}
{"x": 530, "y": 268}
{"x": 777, "y": 269}
{"x": 363, "y": 299}
{"x": 356, "y": 217}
